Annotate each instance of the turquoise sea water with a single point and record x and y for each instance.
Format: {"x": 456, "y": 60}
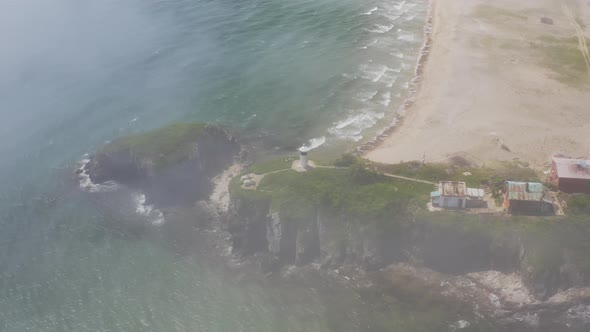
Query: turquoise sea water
{"x": 74, "y": 74}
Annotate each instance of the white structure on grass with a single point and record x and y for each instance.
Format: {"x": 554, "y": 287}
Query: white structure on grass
{"x": 456, "y": 195}
{"x": 303, "y": 161}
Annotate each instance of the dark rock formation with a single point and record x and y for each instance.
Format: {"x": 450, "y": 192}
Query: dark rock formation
{"x": 172, "y": 166}
{"x": 547, "y": 20}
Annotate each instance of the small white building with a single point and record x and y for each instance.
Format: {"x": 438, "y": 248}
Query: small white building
{"x": 456, "y": 195}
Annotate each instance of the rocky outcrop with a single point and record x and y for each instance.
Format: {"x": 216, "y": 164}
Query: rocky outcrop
{"x": 511, "y": 275}
{"x": 317, "y": 235}
{"x": 560, "y": 272}
{"x": 335, "y": 240}
{"x": 492, "y": 294}
{"x": 172, "y": 166}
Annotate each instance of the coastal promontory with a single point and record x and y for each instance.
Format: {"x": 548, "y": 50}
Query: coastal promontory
{"x": 172, "y": 165}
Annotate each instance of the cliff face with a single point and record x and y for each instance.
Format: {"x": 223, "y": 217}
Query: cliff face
{"x": 503, "y": 274}
{"x": 333, "y": 240}
{"x": 317, "y": 235}
{"x": 172, "y": 166}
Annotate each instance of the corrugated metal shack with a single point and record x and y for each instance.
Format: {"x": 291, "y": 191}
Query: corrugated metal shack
{"x": 456, "y": 195}
{"x": 571, "y": 175}
{"x": 526, "y": 198}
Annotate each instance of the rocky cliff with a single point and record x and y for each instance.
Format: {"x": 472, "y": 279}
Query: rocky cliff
{"x": 173, "y": 165}
{"x": 333, "y": 239}
{"x": 319, "y": 235}
{"x": 546, "y": 258}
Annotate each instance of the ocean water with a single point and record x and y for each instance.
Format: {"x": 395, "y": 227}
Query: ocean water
{"x": 75, "y": 74}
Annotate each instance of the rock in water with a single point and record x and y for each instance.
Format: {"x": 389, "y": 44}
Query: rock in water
{"x": 173, "y": 165}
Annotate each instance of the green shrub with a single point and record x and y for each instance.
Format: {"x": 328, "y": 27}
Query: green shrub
{"x": 360, "y": 174}
{"x": 346, "y": 160}
{"x": 165, "y": 146}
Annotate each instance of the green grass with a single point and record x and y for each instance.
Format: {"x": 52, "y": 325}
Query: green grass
{"x": 271, "y": 165}
{"x": 361, "y": 190}
{"x": 166, "y": 146}
{"x": 337, "y": 190}
{"x": 491, "y": 12}
{"x": 563, "y": 57}
{"x": 578, "y": 204}
{"x": 490, "y": 175}
{"x": 366, "y": 197}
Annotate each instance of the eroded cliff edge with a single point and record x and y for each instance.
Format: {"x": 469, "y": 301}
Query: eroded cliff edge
{"x": 522, "y": 271}
{"x": 172, "y": 165}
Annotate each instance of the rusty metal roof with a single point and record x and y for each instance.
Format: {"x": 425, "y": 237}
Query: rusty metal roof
{"x": 452, "y": 188}
{"x": 524, "y": 191}
{"x": 572, "y": 168}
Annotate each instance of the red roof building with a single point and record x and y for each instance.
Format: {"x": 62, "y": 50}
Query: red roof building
{"x": 571, "y": 175}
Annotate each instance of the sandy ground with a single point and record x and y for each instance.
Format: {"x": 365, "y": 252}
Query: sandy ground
{"x": 485, "y": 86}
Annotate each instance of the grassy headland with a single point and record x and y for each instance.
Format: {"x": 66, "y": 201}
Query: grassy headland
{"x": 168, "y": 145}
{"x": 396, "y": 207}
{"x": 355, "y": 191}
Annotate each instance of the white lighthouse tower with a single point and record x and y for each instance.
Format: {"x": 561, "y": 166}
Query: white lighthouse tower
{"x": 303, "y": 161}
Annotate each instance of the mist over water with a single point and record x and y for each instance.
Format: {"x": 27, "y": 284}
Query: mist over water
{"x": 75, "y": 74}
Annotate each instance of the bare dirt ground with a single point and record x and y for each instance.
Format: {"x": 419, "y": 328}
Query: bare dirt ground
{"x": 500, "y": 85}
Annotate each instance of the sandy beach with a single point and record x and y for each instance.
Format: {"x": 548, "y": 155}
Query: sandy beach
{"x": 499, "y": 85}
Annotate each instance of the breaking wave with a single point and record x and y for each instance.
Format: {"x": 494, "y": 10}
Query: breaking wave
{"x": 314, "y": 143}
{"x": 154, "y": 215}
{"x": 352, "y": 127}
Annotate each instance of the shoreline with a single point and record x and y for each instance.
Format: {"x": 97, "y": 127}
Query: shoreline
{"x": 415, "y": 85}
{"x": 485, "y": 89}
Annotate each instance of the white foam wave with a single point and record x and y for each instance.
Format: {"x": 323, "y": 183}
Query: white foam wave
{"x": 409, "y": 6}
{"x": 379, "y": 73}
{"x": 155, "y": 215}
{"x": 391, "y": 17}
{"x": 313, "y": 144}
{"x": 87, "y": 185}
{"x": 389, "y": 79}
{"x": 348, "y": 76}
{"x": 407, "y": 37}
{"x": 365, "y": 96}
{"x": 373, "y": 42}
{"x": 399, "y": 55}
{"x": 400, "y": 6}
{"x": 352, "y": 127}
{"x": 371, "y": 11}
{"x": 385, "y": 99}
{"x": 378, "y": 28}
{"x": 410, "y": 18}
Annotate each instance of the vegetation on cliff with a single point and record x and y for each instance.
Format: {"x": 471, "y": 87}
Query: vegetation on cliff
{"x": 355, "y": 191}
{"x": 166, "y": 146}
{"x": 550, "y": 252}
{"x": 173, "y": 165}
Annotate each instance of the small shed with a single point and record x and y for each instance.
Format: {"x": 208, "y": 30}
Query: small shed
{"x": 570, "y": 175}
{"x": 456, "y": 195}
{"x": 526, "y": 198}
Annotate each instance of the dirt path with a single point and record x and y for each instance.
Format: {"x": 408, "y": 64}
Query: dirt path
{"x": 258, "y": 177}
{"x": 579, "y": 33}
{"x": 408, "y": 179}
